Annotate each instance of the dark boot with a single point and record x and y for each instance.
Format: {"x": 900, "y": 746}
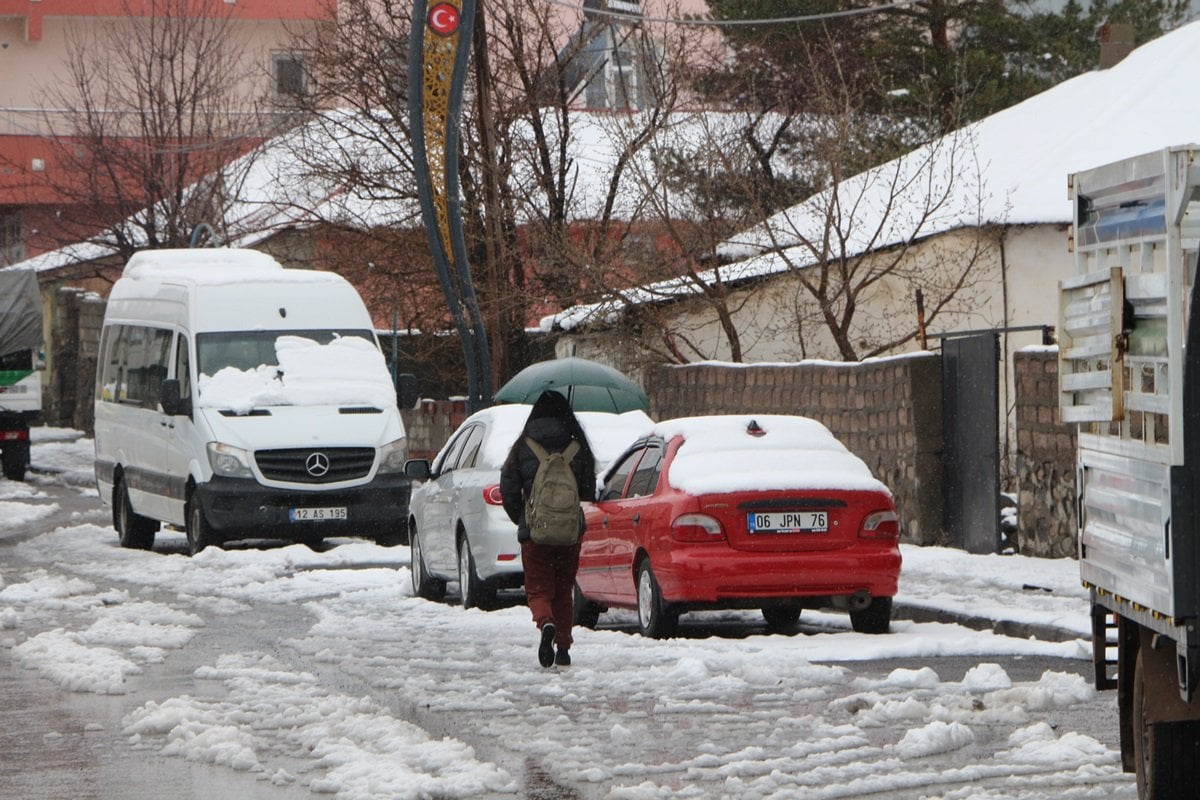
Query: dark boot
{"x": 546, "y": 646}
{"x": 563, "y": 657}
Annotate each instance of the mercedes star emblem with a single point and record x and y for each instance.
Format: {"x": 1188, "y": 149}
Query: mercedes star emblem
{"x": 317, "y": 464}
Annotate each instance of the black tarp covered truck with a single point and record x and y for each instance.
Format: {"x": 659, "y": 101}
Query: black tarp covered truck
{"x": 20, "y": 357}
{"x": 1129, "y": 377}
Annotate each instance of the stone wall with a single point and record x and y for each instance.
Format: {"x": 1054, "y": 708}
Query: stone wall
{"x": 1045, "y": 459}
{"x": 75, "y": 342}
{"x": 888, "y": 412}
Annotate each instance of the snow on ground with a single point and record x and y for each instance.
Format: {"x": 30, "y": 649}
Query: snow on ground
{"x": 764, "y": 716}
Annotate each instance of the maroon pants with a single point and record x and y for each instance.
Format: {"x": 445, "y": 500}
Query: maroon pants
{"x": 550, "y": 586}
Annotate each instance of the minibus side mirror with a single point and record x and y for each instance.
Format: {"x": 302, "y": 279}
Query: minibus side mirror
{"x": 168, "y": 397}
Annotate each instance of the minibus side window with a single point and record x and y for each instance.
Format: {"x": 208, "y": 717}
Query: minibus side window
{"x": 146, "y": 365}
{"x": 105, "y": 371}
{"x": 183, "y": 367}
{"x": 115, "y": 371}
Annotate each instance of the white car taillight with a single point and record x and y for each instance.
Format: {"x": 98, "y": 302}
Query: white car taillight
{"x": 492, "y": 496}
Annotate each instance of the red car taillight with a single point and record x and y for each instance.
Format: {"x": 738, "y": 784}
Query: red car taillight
{"x": 880, "y": 525}
{"x": 492, "y": 496}
{"x": 697, "y": 528}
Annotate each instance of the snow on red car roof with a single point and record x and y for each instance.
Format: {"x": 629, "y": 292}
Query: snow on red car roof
{"x": 724, "y": 453}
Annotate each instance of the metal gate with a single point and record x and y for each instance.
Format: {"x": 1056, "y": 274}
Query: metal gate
{"x": 971, "y": 441}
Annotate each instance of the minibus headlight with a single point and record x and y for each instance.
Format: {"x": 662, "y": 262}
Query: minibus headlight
{"x": 392, "y": 456}
{"x": 229, "y": 461}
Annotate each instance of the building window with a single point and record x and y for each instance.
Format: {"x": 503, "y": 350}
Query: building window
{"x": 289, "y": 72}
{"x": 621, "y": 80}
{"x": 12, "y": 239}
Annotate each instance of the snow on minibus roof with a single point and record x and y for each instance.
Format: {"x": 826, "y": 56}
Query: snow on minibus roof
{"x": 213, "y": 266}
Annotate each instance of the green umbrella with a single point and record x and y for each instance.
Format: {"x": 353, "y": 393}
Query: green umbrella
{"x": 588, "y": 385}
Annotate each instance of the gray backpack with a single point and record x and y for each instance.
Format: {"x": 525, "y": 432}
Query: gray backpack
{"x": 552, "y": 511}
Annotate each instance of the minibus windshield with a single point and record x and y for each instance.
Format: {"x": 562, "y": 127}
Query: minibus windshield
{"x": 249, "y": 350}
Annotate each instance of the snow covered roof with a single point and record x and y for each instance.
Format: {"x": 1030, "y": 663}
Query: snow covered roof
{"x": 1009, "y": 168}
{"x": 288, "y": 182}
{"x": 1024, "y": 153}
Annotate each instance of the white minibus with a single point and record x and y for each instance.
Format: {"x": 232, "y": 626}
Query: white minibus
{"x": 236, "y": 399}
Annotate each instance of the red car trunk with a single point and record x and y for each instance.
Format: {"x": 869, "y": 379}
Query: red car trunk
{"x": 793, "y": 521}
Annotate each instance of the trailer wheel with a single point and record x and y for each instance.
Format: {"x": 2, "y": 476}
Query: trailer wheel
{"x": 14, "y": 458}
{"x": 1165, "y": 753}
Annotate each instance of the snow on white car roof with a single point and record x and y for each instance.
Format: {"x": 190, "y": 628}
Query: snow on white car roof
{"x": 721, "y": 454}
{"x": 608, "y": 434}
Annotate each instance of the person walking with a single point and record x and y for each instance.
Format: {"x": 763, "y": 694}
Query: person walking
{"x": 527, "y": 479}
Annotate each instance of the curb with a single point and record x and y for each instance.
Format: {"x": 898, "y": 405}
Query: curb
{"x": 1001, "y": 627}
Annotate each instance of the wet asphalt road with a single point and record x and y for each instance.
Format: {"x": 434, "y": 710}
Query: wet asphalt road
{"x": 56, "y": 744}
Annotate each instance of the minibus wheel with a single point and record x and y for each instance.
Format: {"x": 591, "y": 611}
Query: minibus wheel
{"x": 199, "y": 534}
{"x": 133, "y": 530}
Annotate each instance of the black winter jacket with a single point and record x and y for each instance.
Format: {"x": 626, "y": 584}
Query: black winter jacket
{"x": 516, "y": 476}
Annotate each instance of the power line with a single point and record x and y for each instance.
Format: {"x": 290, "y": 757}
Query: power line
{"x": 728, "y": 23}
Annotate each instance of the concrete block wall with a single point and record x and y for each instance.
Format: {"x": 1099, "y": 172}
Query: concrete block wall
{"x": 430, "y": 425}
{"x": 1045, "y": 459}
{"x": 888, "y": 412}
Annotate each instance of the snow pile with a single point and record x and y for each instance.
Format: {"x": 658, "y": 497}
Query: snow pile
{"x": 936, "y": 737}
{"x": 42, "y": 588}
{"x": 362, "y": 750}
{"x": 14, "y": 515}
{"x": 63, "y": 456}
{"x": 348, "y": 371}
{"x": 61, "y": 658}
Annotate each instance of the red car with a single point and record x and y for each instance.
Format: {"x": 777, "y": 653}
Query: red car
{"x": 739, "y": 511}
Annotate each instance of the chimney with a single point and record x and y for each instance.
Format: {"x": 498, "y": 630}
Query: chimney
{"x": 1116, "y": 42}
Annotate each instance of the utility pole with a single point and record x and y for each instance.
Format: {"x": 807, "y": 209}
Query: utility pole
{"x": 439, "y": 50}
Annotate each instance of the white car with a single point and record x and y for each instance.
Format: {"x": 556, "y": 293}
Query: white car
{"x": 458, "y": 530}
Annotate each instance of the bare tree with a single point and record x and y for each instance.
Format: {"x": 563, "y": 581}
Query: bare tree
{"x": 562, "y": 235}
{"x": 853, "y": 248}
{"x": 849, "y": 249}
{"x": 153, "y": 108}
{"x": 539, "y": 235}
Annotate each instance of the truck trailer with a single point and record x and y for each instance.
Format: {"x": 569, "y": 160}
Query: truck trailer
{"x": 1129, "y": 379}
{"x": 20, "y": 360}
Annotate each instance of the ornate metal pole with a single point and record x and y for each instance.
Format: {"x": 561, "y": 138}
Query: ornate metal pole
{"x": 439, "y": 49}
